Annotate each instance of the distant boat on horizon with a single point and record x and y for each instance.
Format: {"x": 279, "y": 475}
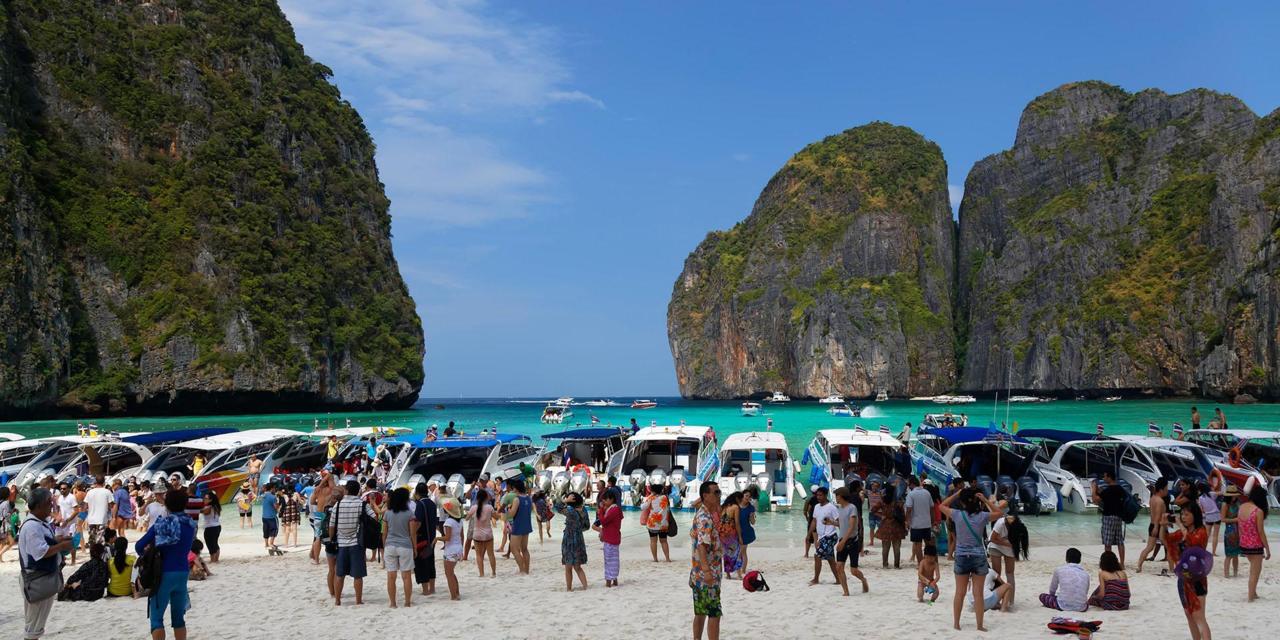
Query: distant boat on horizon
{"x": 643, "y": 404}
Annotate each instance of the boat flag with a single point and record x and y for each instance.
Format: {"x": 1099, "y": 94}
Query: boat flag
{"x": 860, "y": 431}
{"x": 769, "y": 425}
{"x": 564, "y": 461}
{"x": 1015, "y": 426}
{"x": 884, "y": 428}
{"x": 1177, "y": 430}
{"x": 594, "y": 419}
{"x": 1153, "y": 430}
{"x": 1099, "y": 429}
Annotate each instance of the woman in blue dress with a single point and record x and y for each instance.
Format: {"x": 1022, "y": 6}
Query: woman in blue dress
{"x": 573, "y": 548}
{"x": 747, "y": 521}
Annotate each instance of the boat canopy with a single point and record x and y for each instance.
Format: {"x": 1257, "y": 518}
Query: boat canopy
{"x": 852, "y": 437}
{"x": 360, "y": 432}
{"x": 1160, "y": 443}
{"x": 239, "y": 439}
{"x": 599, "y": 433}
{"x": 962, "y": 435}
{"x": 670, "y": 433}
{"x": 754, "y": 440}
{"x": 1059, "y": 435}
{"x": 465, "y": 442}
{"x": 11, "y": 436}
{"x": 1242, "y": 434}
{"x": 167, "y": 437}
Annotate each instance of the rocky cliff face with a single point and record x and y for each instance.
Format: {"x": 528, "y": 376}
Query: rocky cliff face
{"x": 192, "y": 218}
{"x": 1126, "y": 241}
{"x": 840, "y": 280}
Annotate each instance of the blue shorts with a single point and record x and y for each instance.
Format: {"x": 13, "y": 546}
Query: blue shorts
{"x": 317, "y": 519}
{"x": 171, "y": 594}
{"x": 351, "y": 562}
{"x": 270, "y": 528}
{"x": 971, "y": 566}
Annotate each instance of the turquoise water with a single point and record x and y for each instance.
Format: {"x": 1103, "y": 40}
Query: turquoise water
{"x": 796, "y": 420}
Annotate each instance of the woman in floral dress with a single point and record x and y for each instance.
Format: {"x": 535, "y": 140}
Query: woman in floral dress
{"x": 730, "y": 533}
{"x": 573, "y": 548}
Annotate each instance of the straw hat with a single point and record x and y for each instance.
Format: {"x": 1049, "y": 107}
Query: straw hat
{"x": 451, "y": 507}
{"x": 1231, "y": 490}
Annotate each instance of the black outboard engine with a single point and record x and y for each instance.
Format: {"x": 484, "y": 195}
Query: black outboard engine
{"x": 1029, "y": 494}
{"x": 876, "y": 477}
{"x": 1007, "y": 489}
{"x": 986, "y": 486}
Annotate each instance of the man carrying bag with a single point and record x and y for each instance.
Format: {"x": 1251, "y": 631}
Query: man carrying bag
{"x": 40, "y": 554}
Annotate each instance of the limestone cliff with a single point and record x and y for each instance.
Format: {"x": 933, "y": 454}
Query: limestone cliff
{"x": 1126, "y": 242}
{"x": 840, "y": 279}
{"x": 192, "y": 218}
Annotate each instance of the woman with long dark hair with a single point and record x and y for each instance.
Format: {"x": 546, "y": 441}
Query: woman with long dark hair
{"x": 120, "y": 570}
{"x": 1193, "y": 592}
{"x": 573, "y": 548}
{"x": 730, "y": 533}
{"x": 1009, "y": 541}
{"x": 481, "y": 516}
{"x": 971, "y": 564}
{"x": 1253, "y": 535}
{"x": 212, "y": 516}
{"x": 399, "y": 534}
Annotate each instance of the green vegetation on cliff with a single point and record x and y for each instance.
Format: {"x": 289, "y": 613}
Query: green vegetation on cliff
{"x": 196, "y": 151}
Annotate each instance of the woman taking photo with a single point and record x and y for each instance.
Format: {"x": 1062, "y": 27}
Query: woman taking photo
{"x": 971, "y": 564}
{"x": 573, "y": 548}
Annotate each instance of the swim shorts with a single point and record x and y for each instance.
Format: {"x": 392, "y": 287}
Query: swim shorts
{"x": 706, "y": 601}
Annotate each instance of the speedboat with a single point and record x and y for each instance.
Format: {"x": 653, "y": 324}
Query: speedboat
{"x": 556, "y": 414}
{"x": 17, "y": 454}
{"x": 750, "y": 409}
{"x": 119, "y": 457}
{"x": 883, "y": 396}
{"x": 872, "y": 455}
{"x": 1002, "y": 464}
{"x": 834, "y": 398}
{"x": 1075, "y": 491}
{"x": 1028, "y": 399}
{"x": 778, "y": 397}
{"x": 845, "y": 411}
{"x": 941, "y": 420}
{"x": 226, "y": 459}
{"x": 1084, "y": 461}
{"x": 643, "y": 404}
{"x": 1111, "y": 399}
{"x": 1261, "y": 449}
{"x": 1192, "y": 461}
{"x": 55, "y": 457}
{"x": 9, "y": 437}
{"x": 563, "y": 402}
{"x": 954, "y": 399}
{"x": 309, "y": 453}
{"x": 456, "y": 463}
{"x": 676, "y": 457}
{"x": 759, "y": 458}
{"x": 601, "y": 403}
{"x": 579, "y": 460}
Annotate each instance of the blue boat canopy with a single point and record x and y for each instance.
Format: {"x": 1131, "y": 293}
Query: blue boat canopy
{"x": 175, "y": 436}
{"x": 1057, "y": 435}
{"x": 598, "y": 433}
{"x": 960, "y": 435}
{"x": 465, "y": 442}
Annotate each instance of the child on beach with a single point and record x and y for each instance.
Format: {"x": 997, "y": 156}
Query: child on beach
{"x": 452, "y": 542}
{"x": 244, "y": 504}
{"x": 927, "y": 575}
{"x": 1231, "y": 531}
{"x": 196, "y": 566}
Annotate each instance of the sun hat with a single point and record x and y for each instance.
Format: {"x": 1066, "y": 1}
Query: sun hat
{"x": 1232, "y": 490}
{"x": 451, "y": 507}
{"x": 1195, "y": 563}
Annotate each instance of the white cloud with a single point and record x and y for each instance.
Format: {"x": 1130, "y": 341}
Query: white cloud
{"x": 741, "y": 157}
{"x": 426, "y": 75}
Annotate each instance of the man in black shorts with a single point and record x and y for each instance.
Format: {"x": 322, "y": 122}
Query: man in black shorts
{"x": 919, "y": 510}
{"x": 849, "y": 548}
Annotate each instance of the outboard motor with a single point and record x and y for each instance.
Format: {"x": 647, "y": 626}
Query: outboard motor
{"x": 658, "y": 477}
{"x": 560, "y": 484}
{"x": 579, "y": 480}
{"x": 741, "y": 482}
{"x": 637, "y": 480}
{"x": 875, "y": 477}
{"x": 1007, "y": 489}
{"x": 455, "y": 486}
{"x": 1029, "y": 494}
{"x": 986, "y": 485}
{"x": 765, "y": 483}
{"x": 542, "y": 481}
{"x": 437, "y": 479}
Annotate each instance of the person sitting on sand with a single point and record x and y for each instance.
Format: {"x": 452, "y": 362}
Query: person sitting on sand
{"x": 1069, "y": 587}
{"x": 89, "y": 582}
{"x": 928, "y": 575}
{"x": 1112, "y": 593}
{"x": 197, "y": 569}
{"x": 996, "y": 593}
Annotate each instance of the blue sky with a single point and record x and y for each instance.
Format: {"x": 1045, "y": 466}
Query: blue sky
{"x": 551, "y": 164}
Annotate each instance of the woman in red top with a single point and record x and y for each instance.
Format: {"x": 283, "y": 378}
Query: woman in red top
{"x": 1193, "y": 592}
{"x": 609, "y": 526}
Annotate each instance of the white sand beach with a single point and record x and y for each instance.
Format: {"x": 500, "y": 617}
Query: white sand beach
{"x": 252, "y": 595}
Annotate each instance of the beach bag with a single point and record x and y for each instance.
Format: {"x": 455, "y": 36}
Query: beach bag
{"x": 672, "y": 527}
{"x": 151, "y": 568}
{"x": 39, "y": 585}
{"x": 370, "y": 531}
{"x": 754, "y": 581}
{"x": 1131, "y": 509}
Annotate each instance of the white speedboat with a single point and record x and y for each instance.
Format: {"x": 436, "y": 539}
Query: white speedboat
{"x": 226, "y": 460}
{"x": 751, "y": 409}
{"x": 601, "y": 403}
{"x": 563, "y": 402}
{"x": 1111, "y": 399}
{"x": 1024, "y": 399}
{"x": 1084, "y": 450}
{"x": 310, "y": 453}
{"x": 115, "y": 457}
{"x": 578, "y": 461}
{"x": 954, "y": 399}
{"x": 759, "y": 458}
{"x": 676, "y": 457}
{"x": 1002, "y": 464}
{"x": 778, "y": 397}
{"x": 948, "y": 419}
{"x": 1239, "y": 447}
{"x": 556, "y": 414}
{"x": 1191, "y": 460}
{"x": 835, "y": 453}
{"x": 456, "y": 463}
{"x": 883, "y": 396}
{"x": 9, "y": 437}
{"x": 17, "y": 454}
{"x": 643, "y": 404}
{"x": 845, "y": 411}
{"x": 834, "y": 398}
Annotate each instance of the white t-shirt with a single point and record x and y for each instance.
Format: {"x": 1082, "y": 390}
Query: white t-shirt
{"x": 988, "y": 591}
{"x": 155, "y": 511}
{"x": 1003, "y": 529}
{"x": 453, "y": 546}
{"x": 99, "y": 500}
{"x": 67, "y": 507}
{"x": 822, "y": 512}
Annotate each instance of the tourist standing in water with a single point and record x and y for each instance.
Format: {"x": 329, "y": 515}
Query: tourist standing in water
{"x": 1195, "y": 418}
{"x": 706, "y": 564}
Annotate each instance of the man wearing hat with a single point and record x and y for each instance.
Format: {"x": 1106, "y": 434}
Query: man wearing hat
{"x": 1159, "y": 505}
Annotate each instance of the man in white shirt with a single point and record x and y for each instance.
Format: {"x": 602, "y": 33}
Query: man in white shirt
{"x": 1069, "y": 587}
{"x": 825, "y": 528}
{"x": 99, "y": 502}
{"x": 68, "y": 507}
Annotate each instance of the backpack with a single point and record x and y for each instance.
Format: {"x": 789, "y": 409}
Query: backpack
{"x": 150, "y": 568}
{"x": 1130, "y": 509}
{"x": 370, "y": 531}
{"x": 754, "y": 581}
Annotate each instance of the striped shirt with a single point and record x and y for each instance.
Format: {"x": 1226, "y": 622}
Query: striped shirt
{"x": 348, "y": 520}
